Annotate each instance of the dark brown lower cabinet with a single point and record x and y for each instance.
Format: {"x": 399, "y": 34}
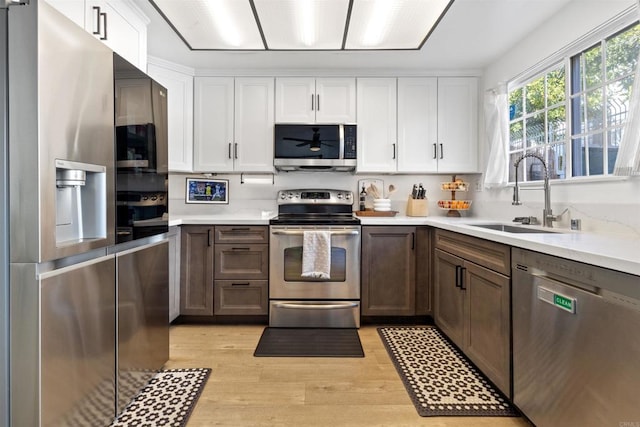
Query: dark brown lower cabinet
{"x": 196, "y": 270}
{"x": 471, "y": 301}
{"x": 224, "y": 270}
{"x": 388, "y": 271}
{"x": 241, "y": 297}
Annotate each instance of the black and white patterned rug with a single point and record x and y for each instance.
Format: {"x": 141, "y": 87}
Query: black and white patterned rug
{"x": 167, "y": 400}
{"x": 438, "y": 378}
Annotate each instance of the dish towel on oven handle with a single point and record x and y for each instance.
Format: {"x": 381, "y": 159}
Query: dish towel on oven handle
{"x": 316, "y": 254}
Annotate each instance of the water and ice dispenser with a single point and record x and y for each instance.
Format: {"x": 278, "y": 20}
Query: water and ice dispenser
{"x": 81, "y": 202}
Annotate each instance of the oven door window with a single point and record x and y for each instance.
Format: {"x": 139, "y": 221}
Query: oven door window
{"x": 293, "y": 266}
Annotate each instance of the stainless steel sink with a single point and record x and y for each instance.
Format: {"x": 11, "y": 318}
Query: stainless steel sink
{"x": 512, "y": 228}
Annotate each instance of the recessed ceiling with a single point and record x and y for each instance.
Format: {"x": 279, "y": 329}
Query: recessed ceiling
{"x": 471, "y": 35}
{"x": 303, "y": 24}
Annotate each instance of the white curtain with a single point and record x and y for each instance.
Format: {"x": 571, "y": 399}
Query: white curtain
{"x": 628, "y": 160}
{"x": 496, "y": 114}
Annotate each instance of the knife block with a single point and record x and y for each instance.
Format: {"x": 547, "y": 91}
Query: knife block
{"x": 417, "y": 207}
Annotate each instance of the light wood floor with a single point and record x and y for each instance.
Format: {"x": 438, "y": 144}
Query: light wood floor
{"x": 244, "y": 390}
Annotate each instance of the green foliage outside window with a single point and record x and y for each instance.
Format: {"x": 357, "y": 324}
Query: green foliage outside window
{"x": 600, "y": 84}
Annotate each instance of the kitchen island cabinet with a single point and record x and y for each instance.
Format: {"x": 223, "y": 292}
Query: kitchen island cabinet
{"x": 472, "y": 293}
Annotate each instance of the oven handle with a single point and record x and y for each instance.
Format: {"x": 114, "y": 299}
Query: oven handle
{"x": 330, "y": 306}
{"x": 301, "y": 232}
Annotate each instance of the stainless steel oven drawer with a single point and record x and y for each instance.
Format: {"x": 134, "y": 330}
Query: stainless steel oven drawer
{"x": 314, "y": 314}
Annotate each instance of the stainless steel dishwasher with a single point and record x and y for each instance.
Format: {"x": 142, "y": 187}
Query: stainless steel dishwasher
{"x": 576, "y": 345}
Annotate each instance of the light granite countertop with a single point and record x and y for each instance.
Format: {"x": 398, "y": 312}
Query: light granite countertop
{"x": 615, "y": 252}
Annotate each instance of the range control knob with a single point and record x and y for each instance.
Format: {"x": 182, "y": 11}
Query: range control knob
{"x": 340, "y": 195}
{"x": 283, "y": 195}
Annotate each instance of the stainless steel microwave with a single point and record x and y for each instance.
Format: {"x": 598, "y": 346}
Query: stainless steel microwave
{"x": 319, "y": 147}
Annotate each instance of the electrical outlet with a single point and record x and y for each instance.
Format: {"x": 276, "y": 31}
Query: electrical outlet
{"x": 478, "y": 186}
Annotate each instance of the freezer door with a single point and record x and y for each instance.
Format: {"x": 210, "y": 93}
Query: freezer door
{"x": 78, "y": 344}
{"x": 143, "y": 316}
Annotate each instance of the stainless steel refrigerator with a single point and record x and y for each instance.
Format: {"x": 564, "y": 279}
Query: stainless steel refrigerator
{"x": 142, "y": 244}
{"x": 62, "y": 211}
{"x": 4, "y": 229}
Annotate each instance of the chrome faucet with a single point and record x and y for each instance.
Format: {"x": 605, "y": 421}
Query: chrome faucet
{"x": 547, "y": 213}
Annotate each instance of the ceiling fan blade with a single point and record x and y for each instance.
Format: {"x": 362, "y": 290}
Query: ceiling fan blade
{"x": 296, "y": 139}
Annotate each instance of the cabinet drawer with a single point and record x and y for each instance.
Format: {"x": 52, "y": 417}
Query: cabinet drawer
{"x": 242, "y": 234}
{"x": 248, "y": 297}
{"x": 241, "y": 261}
{"x": 491, "y": 255}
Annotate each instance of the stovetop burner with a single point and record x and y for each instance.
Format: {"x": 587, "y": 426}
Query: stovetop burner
{"x": 315, "y": 207}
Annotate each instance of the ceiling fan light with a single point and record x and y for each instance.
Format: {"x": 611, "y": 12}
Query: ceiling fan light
{"x": 314, "y": 148}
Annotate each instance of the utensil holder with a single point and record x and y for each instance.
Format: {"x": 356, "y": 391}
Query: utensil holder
{"x": 417, "y": 207}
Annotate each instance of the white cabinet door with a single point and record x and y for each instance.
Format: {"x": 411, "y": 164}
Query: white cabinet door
{"x": 72, "y": 9}
{"x": 311, "y": 100}
{"x": 213, "y": 124}
{"x": 121, "y": 26}
{"x": 376, "y": 111}
{"x": 457, "y": 124}
{"x": 254, "y": 122}
{"x": 295, "y": 100}
{"x": 417, "y": 124}
{"x": 179, "y": 86}
{"x": 335, "y": 100}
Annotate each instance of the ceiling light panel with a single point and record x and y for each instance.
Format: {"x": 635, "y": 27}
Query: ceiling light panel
{"x": 213, "y": 24}
{"x": 392, "y": 24}
{"x": 303, "y": 24}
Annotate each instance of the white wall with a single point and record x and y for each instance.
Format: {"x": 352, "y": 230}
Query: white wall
{"x": 608, "y": 207}
{"x": 252, "y": 199}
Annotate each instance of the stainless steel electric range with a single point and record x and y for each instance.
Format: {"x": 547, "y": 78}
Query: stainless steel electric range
{"x": 296, "y": 300}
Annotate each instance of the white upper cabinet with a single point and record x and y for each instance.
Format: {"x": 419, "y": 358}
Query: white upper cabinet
{"x": 233, "y": 124}
{"x": 213, "y": 124}
{"x": 120, "y": 24}
{"x": 254, "y": 123}
{"x": 437, "y": 121}
{"x": 457, "y": 124}
{"x": 377, "y": 145}
{"x": 315, "y": 100}
{"x": 178, "y": 81}
{"x": 417, "y": 124}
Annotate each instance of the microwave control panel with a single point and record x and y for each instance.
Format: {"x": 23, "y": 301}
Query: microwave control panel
{"x": 350, "y": 141}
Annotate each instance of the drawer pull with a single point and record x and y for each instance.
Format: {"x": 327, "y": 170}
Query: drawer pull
{"x": 241, "y": 284}
{"x": 240, "y": 249}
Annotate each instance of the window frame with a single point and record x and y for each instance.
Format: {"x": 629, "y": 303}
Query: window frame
{"x": 564, "y": 56}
